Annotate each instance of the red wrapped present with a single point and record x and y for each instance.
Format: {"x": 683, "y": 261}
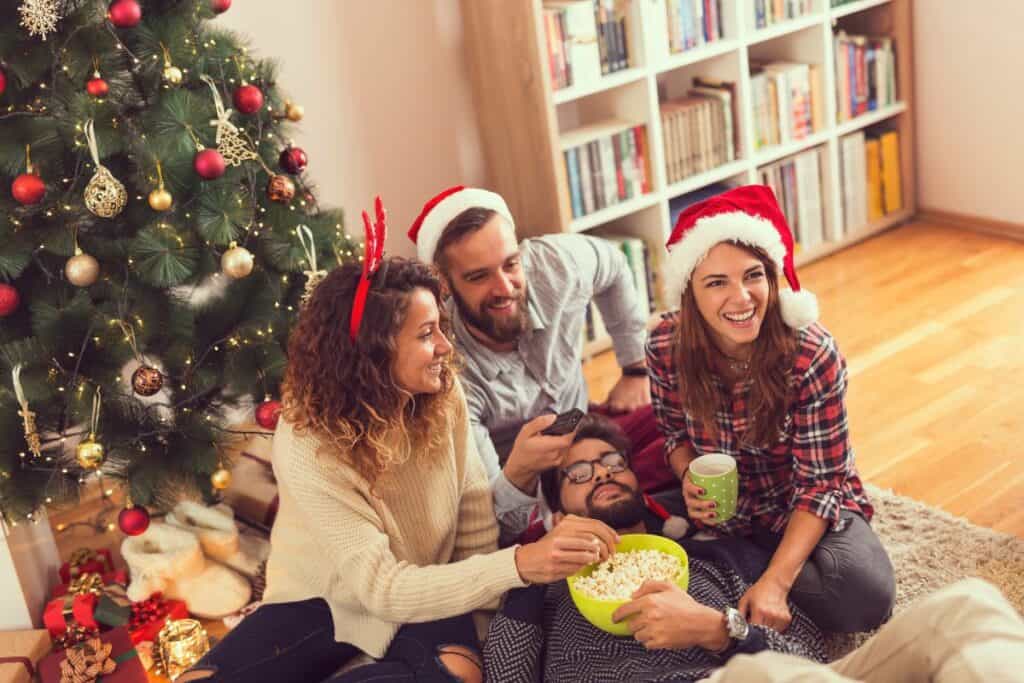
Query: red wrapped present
{"x": 150, "y": 615}
{"x": 115, "y": 646}
{"x": 86, "y": 560}
{"x": 90, "y": 582}
{"x": 85, "y": 610}
{"x": 20, "y": 651}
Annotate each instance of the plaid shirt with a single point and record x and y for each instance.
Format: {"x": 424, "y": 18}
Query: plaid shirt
{"x": 810, "y": 468}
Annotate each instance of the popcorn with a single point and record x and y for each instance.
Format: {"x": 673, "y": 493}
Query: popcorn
{"x": 618, "y": 577}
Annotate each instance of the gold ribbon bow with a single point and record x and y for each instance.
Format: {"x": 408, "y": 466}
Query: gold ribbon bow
{"x": 87, "y": 661}
{"x": 89, "y": 582}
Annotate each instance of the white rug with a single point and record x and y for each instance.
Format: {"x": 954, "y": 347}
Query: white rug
{"x": 931, "y": 548}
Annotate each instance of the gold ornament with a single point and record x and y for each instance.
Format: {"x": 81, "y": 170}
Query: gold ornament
{"x": 147, "y": 381}
{"x": 294, "y": 112}
{"x": 172, "y": 75}
{"x": 237, "y": 262}
{"x": 280, "y": 188}
{"x": 28, "y": 417}
{"x": 105, "y": 196}
{"x": 160, "y": 199}
{"x": 40, "y": 17}
{"x": 221, "y": 479}
{"x": 89, "y": 453}
{"x": 180, "y": 644}
{"x": 234, "y": 148}
{"x": 82, "y": 270}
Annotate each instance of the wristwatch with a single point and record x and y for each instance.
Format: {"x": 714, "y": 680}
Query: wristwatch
{"x": 737, "y": 628}
{"x": 635, "y": 371}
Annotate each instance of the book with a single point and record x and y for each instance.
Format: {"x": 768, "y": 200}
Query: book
{"x": 873, "y": 159}
{"x": 891, "y": 191}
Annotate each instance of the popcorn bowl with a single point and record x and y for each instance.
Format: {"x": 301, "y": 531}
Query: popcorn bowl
{"x": 599, "y": 612}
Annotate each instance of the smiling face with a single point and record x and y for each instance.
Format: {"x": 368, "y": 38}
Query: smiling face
{"x": 486, "y": 279}
{"x": 421, "y": 348}
{"x": 731, "y": 289}
{"x": 611, "y": 497}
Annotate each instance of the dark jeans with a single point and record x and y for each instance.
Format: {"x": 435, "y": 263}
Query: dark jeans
{"x": 294, "y": 641}
{"x": 847, "y": 584}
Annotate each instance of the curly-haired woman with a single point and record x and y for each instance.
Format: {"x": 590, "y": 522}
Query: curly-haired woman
{"x": 743, "y": 368}
{"x": 385, "y": 540}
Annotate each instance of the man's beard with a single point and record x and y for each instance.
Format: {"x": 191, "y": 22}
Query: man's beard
{"x": 500, "y": 331}
{"x": 621, "y": 514}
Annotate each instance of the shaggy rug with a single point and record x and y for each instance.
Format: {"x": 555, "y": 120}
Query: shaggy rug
{"x": 931, "y": 548}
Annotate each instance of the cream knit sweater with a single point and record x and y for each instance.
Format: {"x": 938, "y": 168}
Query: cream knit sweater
{"x": 424, "y": 548}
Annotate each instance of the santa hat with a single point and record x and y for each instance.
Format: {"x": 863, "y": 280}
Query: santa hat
{"x": 442, "y": 209}
{"x": 749, "y": 215}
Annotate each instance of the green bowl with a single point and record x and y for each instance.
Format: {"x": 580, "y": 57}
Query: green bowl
{"x": 599, "y": 612}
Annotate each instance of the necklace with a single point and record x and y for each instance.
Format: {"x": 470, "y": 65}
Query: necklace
{"x": 739, "y": 367}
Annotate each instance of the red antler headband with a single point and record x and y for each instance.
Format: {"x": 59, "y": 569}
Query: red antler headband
{"x": 373, "y": 254}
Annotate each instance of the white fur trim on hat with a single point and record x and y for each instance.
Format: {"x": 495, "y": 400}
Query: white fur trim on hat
{"x": 686, "y": 254}
{"x": 451, "y": 206}
{"x": 799, "y": 309}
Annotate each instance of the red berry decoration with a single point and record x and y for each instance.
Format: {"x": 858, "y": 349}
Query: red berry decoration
{"x": 248, "y": 99}
{"x": 293, "y": 160}
{"x": 28, "y": 189}
{"x": 3, "y": 81}
{"x": 209, "y": 164}
{"x": 9, "y": 300}
{"x": 124, "y": 13}
{"x": 267, "y": 414}
{"x": 220, "y": 6}
{"x": 133, "y": 520}
{"x": 97, "y": 87}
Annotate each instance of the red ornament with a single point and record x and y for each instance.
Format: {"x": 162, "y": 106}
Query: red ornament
{"x": 248, "y": 99}
{"x": 3, "y": 81}
{"x": 220, "y": 6}
{"x": 209, "y": 164}
{"x": 133, "y": 520}
{"x": 124, "y": 13}
{"x": 293, "y": 160}
{"x": 9, "y": 300}
{"x": 28, "y": 189}
{"x": 267, "y": 414}
{"x": 97, "y": 87}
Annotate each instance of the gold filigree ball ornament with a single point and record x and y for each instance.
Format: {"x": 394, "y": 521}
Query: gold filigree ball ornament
{"x": 147, "y": 381}
{"x": 280, "y": 189}
{"x": 294, "y": 112}
{"x": 82, "y": 270}
{"x": 172, "y": 75}
{"x": 105, "y": 195}
{"x": 237, "y": 262}
{"x": 221, "y": 479}
{"x": 89, "y": 453}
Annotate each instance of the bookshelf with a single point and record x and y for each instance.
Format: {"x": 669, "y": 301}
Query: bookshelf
{"x": 524, "y": 121}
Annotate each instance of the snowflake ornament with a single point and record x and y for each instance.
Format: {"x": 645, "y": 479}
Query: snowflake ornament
{"x": 40, "y": 17}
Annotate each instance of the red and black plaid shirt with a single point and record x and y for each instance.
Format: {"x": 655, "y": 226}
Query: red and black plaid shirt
{"x": 810, "y": 468}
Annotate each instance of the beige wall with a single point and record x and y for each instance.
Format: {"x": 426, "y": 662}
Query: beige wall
{"x": 969, "y": 87}
{"x": 387, "y": 97}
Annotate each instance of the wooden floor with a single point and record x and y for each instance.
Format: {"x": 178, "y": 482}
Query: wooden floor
{"x": 931, "y": 321}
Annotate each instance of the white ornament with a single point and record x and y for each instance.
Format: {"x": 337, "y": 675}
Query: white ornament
{"x": 40, "y": 17}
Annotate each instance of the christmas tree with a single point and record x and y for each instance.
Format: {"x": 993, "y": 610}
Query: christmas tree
{"x": 156, "y": 241}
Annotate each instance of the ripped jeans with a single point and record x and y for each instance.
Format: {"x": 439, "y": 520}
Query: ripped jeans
{"x": 294, "y": 641}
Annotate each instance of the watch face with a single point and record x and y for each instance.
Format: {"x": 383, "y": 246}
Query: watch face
{"x": 736, "y": 624}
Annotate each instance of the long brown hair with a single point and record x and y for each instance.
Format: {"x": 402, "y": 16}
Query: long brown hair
{"x": 697, "y": 358}
{"x": 345, "y": 392}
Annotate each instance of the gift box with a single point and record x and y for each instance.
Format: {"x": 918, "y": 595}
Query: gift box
{"x": 111, "y": 583}
{"x": 128, "y": 668}
{"x": 86, "y": 560}
{"x": 20, "y": 652}
{"x": 253, "y": 490}
{"x": 84, "y": 610}
{"x": 149, "y": 616}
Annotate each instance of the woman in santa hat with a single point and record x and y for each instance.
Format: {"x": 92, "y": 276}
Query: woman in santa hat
{"x": 743, "y": 368}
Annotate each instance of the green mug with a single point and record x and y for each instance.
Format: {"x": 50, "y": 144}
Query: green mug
{"x": 716, "y": 473}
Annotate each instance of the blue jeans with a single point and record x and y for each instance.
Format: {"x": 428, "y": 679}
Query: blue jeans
{"x": 294, "y": 641}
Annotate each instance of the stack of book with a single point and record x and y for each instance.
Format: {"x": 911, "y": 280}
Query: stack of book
{"x": 700, "y": 131}
{"x": 639, "y": 256}
{"x": 787, "y": 101}
{"x": 865, "y": 74}
{"x": 585, "y": 39}
{"x": 769, "y": 12}
{"x": 870, "y": 177}
{"x": 692, "y": 23}
{"x": 605, "y": 163}
{"x": 797, "y": 183}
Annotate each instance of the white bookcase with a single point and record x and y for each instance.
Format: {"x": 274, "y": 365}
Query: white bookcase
{"x": 522, "y": 118}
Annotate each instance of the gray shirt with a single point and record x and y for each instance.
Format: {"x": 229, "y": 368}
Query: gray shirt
{"x": 504, "y": 390}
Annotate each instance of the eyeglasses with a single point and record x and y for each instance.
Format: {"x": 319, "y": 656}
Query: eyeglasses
{"x": 583, "y": 471}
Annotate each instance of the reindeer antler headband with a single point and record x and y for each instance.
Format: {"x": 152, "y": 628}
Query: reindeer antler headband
{"x": 373, "y": 255}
